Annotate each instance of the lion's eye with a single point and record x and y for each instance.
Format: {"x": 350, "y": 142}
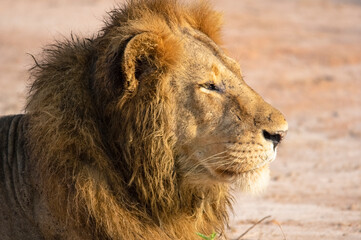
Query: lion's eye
{"x": 210, "y": 86}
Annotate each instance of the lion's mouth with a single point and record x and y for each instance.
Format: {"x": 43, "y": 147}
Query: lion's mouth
{"x": 227, "y": 173}
{"x": 237, "y": 172}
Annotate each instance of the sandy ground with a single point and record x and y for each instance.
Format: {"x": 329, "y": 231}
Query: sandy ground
{"x": 302, "y": 56}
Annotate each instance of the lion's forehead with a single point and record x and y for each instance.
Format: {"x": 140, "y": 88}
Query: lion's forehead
{"x": 206, "y": 61}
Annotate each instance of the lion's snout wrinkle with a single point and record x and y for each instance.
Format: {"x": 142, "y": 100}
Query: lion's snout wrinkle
{"x": 276, "y": 129}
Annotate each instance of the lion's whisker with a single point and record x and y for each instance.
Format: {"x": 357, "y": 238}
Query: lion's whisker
{"x": 206, "y": 160}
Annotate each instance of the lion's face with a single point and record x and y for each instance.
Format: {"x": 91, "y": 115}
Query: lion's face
{"x": 225, "y": 131}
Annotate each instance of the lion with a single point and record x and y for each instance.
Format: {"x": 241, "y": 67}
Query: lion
{"x": 139, "y": 132}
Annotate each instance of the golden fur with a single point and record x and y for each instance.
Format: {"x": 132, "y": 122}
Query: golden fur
{"x": 111, "y": 134}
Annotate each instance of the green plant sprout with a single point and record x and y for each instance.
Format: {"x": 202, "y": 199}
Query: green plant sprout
{"x": 211, "y": 237}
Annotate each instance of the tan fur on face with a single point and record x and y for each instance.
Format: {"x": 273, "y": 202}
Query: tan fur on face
{"x": 111, "y": 131}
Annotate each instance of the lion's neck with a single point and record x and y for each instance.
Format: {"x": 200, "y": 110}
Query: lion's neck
{"x": 201, "y": 209}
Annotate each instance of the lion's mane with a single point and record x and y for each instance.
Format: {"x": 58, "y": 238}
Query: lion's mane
{"x": 103, "y": 148}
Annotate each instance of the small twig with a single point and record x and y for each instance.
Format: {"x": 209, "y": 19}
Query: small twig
{"x": 249, "y": 229}
{"x": 279, "y": 225}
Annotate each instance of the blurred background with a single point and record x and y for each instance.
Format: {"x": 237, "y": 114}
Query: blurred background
{"x": 302, "y": 56}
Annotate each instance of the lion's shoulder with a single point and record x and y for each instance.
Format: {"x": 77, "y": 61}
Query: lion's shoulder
{"x": 15, "y": 194}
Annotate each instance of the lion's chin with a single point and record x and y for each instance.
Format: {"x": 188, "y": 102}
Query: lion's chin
{"x": 254, "y": 181}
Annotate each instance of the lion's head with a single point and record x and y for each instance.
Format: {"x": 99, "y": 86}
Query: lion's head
{"x": 225, "y": 131}
{"x": 150, "y": 121}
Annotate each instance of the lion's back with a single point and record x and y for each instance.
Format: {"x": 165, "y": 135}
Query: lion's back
{"x": 16, "y": 196}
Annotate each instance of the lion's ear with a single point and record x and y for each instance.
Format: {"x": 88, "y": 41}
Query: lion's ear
{"x": 149, "y": 55}
{"x": 132, "y": 59}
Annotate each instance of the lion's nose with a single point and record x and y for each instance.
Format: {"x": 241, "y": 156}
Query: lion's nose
{"x": 275, "y": 137}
